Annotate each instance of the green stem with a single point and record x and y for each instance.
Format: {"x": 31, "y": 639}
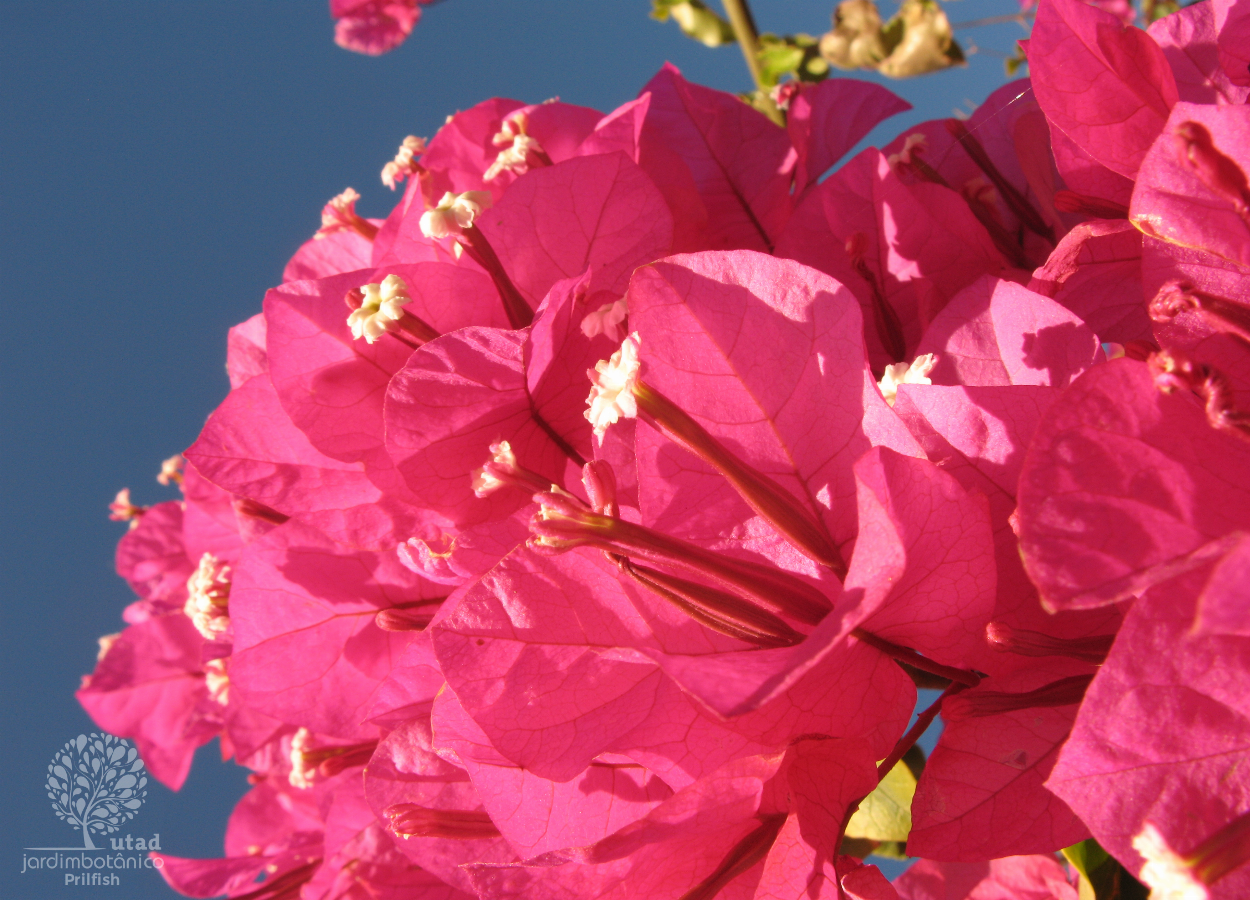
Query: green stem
{"x": 743, "y": 25}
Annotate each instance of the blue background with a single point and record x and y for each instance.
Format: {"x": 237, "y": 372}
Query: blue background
{"x": 160, "y": 163}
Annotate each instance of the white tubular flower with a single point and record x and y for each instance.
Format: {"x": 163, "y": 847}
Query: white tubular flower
{"x": 519, "y": 158}
{"x": 979, "y": 190}
{"x": 339, "y": 214}
{"x": 106, "y": 643}
{"x": 608, "y": 320}
{"x": 405, "y": 163}
{"x": 521, "y": 152}
{"x": 902, "y": 373}
{"x": 122, "y": 510}
{"x": 208, "y": 598}
{"x": 513, "y": 126}
{"x": 454, "y": 213}
{"x": 302, "y": 772}
{"x": 915, "y": 143}
{"x": 217, "y": 680}
{"x": 1166, "y": 873}
{"x": 485, "y": 479}
{"x": 612, "y": 387}
{"x": 171, "y": 470}
{"x": 382, "y": 306}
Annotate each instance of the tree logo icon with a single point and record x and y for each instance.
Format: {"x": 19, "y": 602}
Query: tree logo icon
{"x": 96, "y": 782}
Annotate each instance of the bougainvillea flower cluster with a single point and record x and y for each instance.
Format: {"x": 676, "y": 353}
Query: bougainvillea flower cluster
{"x": 586, "y": 527}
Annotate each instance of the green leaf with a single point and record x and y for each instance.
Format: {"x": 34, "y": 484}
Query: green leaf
{"x": 1101, "y": 876}
{"x": 695, "y": 20}
{"x": 796, "y": 55}
{"x": 885, "y": 814}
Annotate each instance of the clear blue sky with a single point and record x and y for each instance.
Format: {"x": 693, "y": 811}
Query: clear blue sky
{"x": 159, "y": 163}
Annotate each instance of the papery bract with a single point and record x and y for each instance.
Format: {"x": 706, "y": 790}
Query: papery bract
{"x": 996, "y": 332}
{"x": 455, "y": 397}
{"x": 245, "y": 350}
{"x": 301, "y": 603}
{"x": 827, "y": 119}
{"x": 152, "y": 557}
{"x": 1232, "y": 24}
{"x": 981, "y": 795}
{"x": 150, "y": 686}
{"x": 250, "y": 447}
{"x": 1188, "y": 39}
{"x": 919, "y": 245}
{"x": 374, "y": 26}
{"x": 1123, "y": 481}
{"x": 1185, "y": 203}
{"x": 536, "y": 815}
{"x": 736, "y": 159}
{"x": 1107, "y": 87}
{"x": 405, "y": 772}
{"x": 798, "y": 406}
{"x": 675, "y": 847}
{"x": 598, "y": 212}
{"x": 1095, "y": 271}
{"x": 1013, "y": 878}
{"x": 1163, "y": 733}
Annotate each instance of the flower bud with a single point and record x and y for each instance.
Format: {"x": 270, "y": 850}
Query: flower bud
{"x": 1214, "y": 169}
{"x": 1006, "y": 639}
{"x": 600, "y": 483}
{"x": 1064, "y": 692}
{"x": 408, "y": 820}
{"x": 208, "y": 598}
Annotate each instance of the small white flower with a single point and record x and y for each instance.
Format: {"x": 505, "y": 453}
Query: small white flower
{"x": 404, "y": 164}
{"x": 915, "y": 143}
{"x": 517, "y": 158}
{"x": 217, "y": 680}
{"x": 454, "y": 213}
{"x": 382, "y": 306}
{"x": 339, "y": 214}
{"x": 208, "y": 596}
{"x": 612, "y": 386}
{"x": 302, "y": 772}
{"x": 520, "y": 152}
{"x": 608, "y": 320}
{"x": 902, "y": 373}
{"x": 485, "y": 481}
{"x": 171, "y": 470}
{"x": 1166, "y": 873}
